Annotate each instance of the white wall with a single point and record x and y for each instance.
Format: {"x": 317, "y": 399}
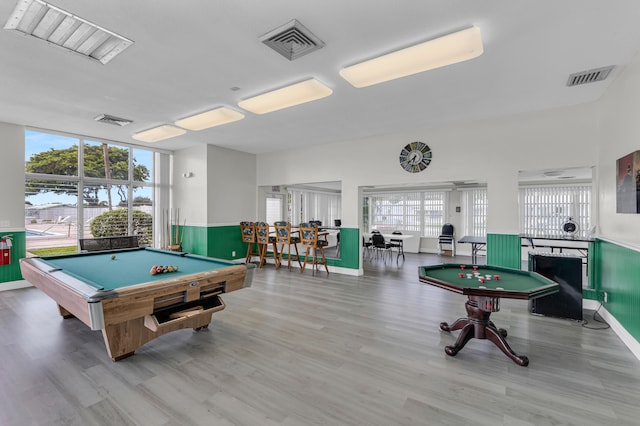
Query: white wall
{"x": 491, "y": 151}
{"x": 12, "y": 178}
{"x": 231, "y": 177}
{"x": 221, "y": 188}
{"x": 190, "y": 194}
{"x": 620, "y": 112}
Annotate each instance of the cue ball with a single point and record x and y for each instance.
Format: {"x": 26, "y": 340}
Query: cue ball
{"x": 113, "y": 257}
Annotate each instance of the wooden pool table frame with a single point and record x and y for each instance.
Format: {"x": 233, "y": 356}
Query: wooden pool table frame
{"x": 129, "y": 317}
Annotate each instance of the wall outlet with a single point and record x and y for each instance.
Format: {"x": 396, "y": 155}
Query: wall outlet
{"x": 605, "y": 297}
{"x": 233, "y": 253}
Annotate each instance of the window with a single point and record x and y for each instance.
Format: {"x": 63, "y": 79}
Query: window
{"x": 474, "y": 211}
{"x": 417, "y": 211}
{"x": 274, "y": 208}
{"x": 76, "y": 188}
{"x": 306, "y": 205}
{"x": 544, "y": 208}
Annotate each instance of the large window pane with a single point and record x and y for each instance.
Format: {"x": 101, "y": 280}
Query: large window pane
{"x": 106, "y": 161}
{"x": 51, "y": 216}
{"x": 51, "y": 154}
{"x": 143, "y": 165}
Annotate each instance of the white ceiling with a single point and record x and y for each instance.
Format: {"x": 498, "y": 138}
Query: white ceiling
{"x": 189, "y": 54}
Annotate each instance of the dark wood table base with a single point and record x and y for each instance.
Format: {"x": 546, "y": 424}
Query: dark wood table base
{"x": 478, "y": 325}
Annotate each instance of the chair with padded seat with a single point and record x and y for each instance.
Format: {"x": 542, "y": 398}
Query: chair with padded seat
{"x": 285, "y": 237}
{"x": 312, "y": 243}
{"x": 248, "y": 230}
{"x": 381, "y": 245}
{"x": 264, "y": 239}
{"x": 397, "y": 244}
{"x": 447, "y": 238}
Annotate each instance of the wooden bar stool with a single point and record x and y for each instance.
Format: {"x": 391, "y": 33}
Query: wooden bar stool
{"x": 264, "y": 239}
{"x": 284, "y": 237}
{"x": 248, "y": 230}
{"x": 309, "y": 235}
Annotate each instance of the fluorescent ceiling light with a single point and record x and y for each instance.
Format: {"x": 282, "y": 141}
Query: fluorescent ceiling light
{"x": 449, "y": 49}
{"x": 159, "y": 133}
{"x": 46, "y": 22}
{"x": 212, "y": 118}
{"x": 296, "y": 94}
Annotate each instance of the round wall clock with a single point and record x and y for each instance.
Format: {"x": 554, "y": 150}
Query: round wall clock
{"x": 415, "y": 157}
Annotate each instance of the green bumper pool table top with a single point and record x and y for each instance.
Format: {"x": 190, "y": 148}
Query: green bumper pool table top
{"x": 511, "y": 283}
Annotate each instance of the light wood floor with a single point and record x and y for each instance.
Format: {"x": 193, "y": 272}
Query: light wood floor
{"x": 301, "y": 350}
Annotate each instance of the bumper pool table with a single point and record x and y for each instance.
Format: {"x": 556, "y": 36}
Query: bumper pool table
{"x": 114, "y": 291}
{"x": 483, "y": 297}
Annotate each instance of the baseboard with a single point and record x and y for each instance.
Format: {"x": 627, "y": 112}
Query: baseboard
{"x": 14, "y": 285}
{"x": 621, "y": 332}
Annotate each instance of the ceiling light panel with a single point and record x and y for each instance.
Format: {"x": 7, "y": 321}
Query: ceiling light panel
{"x": 212, "y": 118}
{"x": 46, "y": 22}
{"x": 158, "y": 134}
{"x": 449, "y": 49}
{"x": 295, "y": 94}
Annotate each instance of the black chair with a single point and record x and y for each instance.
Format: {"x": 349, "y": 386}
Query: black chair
{"x": 366, "y": 247}
{"x": 447, "y": 238}
{"x": 381, "y": 245}
{"x": 397, "y": 244}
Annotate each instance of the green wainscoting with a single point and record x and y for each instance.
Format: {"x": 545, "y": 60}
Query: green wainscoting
{"x": 221, "y": 241}
{"x": 11, "y": 272}
{"x": 504, "y": 250}
{"x": 617, "y": 272}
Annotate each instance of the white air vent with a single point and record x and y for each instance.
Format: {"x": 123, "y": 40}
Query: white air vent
{"x": 590, "y": 76}
{"x": 292, "y": 40}
{"x": 110, "y": 119}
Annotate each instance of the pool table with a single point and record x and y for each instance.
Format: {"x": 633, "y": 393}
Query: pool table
{"x": 114, "y": 291}
{"x": 484, "y": 298}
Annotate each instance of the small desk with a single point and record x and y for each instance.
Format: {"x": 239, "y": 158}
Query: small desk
{"x": 477, "y": 244}
{"x": 484, "y": 298}
{"x": 115, "y": 292}
{"x": 580, "y": 244}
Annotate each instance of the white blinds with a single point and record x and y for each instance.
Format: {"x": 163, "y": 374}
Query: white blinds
{"x": 543, "y": 209}
{"x": 419, "y": 211}
{"x": 311, "y": 205}
{"x": 474, "y": 211}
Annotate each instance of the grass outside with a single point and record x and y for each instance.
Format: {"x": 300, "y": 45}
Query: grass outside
{"x": 52, "y": 251}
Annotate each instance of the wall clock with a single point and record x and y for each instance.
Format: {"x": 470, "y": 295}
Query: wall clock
{"x": 415, "y": 157}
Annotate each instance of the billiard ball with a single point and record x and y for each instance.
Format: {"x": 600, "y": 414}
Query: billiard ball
{"x": 113, "y": 257}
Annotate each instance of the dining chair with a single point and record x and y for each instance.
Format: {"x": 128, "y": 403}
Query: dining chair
{"x": 311, "y": 242}
{"x": 381, "y": 246}
{"x": 248, "y": 230}
{"x": 285, "y": 237}
{"x": 263, "y": 238}
{"x": 366, "y": 247}
{"x": 447, "y": 238}
{"x": 397, "y": 244}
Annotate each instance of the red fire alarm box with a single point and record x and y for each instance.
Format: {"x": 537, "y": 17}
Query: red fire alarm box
{"x": 5, "y": 250}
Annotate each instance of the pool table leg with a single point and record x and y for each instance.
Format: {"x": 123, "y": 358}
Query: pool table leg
{"x": 64, "y": 313}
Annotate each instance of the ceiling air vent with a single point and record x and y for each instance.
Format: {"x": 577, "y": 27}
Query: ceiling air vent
{"x": 292, "y": 40}
{"x": 590, "y": 76}
{"x": 110, "y": 119}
